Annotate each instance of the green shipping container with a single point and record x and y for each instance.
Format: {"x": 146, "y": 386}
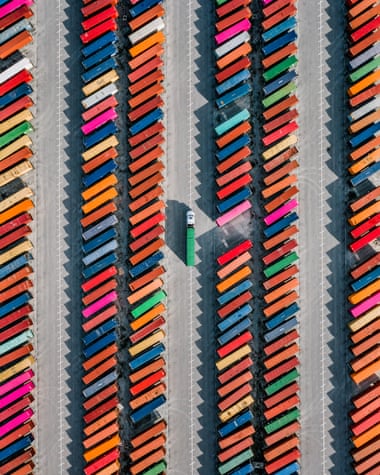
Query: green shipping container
{"x": 278, "y": 95}
{"x": 282, "y": 382}
{"x": 190, "y": 246}
{"x": 235, "y": 461}
{"x": 156, "y": 298}
{"x": 156, "y": 469}
{"x": 15, "y": 133}
{"x": 364, "y": 70}
{"x": 282, "y": 421}
{"x": 280, "y": 68}
{"x": 280, "y": 265}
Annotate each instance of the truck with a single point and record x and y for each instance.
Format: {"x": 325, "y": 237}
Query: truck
{"x": 190, "y": 238}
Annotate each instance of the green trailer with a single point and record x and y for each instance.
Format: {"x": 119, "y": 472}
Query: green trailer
{"x": 280, "y": 265}
{"x": 15, "y": 133}
{"x": 364, "y": 70}
{"x": 157, "y": 469}
{"x": 280, "y": 68}
{"x": 156, "y": 298}
{"x": 282, "y": 421}
{"x": 281, "y": 382}
{"x": 278, "y": 95}
{"x": 190, "y": 246}
{"x": 235, "y": 461}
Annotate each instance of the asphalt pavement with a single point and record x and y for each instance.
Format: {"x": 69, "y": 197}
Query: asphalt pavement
{"x": 324, "y": 385}
{"x": 57, "y": 239}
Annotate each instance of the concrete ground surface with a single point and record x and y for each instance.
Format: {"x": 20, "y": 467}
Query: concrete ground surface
{"x": 189, "y": 182}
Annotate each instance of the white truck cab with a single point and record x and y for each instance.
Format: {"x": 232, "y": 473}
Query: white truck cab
{"x": 190, "y": 218}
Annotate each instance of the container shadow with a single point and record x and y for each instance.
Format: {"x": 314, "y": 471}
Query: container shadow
{"x": 336, "y": 225}
{"x": 72, "y": 231}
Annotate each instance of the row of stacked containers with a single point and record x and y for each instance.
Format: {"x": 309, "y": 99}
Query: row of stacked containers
{"x": 364, "y": 297}
{"x": 281, "y": 413}
{"x": 16, "y": 205}
{"x": 146, "y": 437}
{"x": 234, "y": 337}
{"x": 100, "y": 242}
{"x": 146, "y": 296}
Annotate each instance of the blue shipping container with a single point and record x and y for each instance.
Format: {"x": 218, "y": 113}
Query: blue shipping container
{"x": 99, "y": 384}
{"x": 232, "y": 147}
{"x": 14, "y": 94}
{"x": 280, "y": 82}
{"x": 100, "y": 345}
{"x": 98, "y": 70}
{"x": 89, "y": 246}
{"x": 280, "y": 224}
{"x": 234, "y": 317}
{"x": 234, "y": 292}
{"x": 99, "y": 173}
{"x": 279, "y": 43}
{"x": 146, "y": 264}
{"x": 145, "y": 357}
{"x": 107, "y": 52}
{"x": 288, "y": 24}
{"x": 233, "y": 96}
{"x": 95, "y": 46}
{"x": 99, "y": 227}
{"x": 99, "y": 331}
{"x": 235, "y": 423}
{"x": 149, "y": 119}
{"x": 100, "y": 134}
{"x": 99, "y": 266}
{"x": 279, "y": 331}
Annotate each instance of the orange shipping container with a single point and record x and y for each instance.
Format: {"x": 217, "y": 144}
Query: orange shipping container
{"x": 368, "y": 435}
{"x": 360, "y": 7}
{"x": 148, "y": 172}
{"x": 144, "y": 291}
{"x": 146, "y": 198}
{"x": 364, "y": 17}
{"x": 99, "y": 160}
{"x": 99, "y": 292}
{"x": 281, "y": 106}
{"x": 281, "y": 356}
{"x": 99, "y": 357}
{"x": 153, "y": 53}
{"x": 146, "y": 278}
{"x": 100, "y": 370}
{"x": 101, "y": 435}
{"x": 233, "y": 279}
{"x": 145, "y": 185}
{"x": 151, "y": 459}
{"x": 157, "y": 37}
{"x": 366, "y": 373}
{"x": 111, "y": 416}
{"x": 16, "y": 43}
{"x": 146, "y": 17}
{"x": 279, "y": 201}
{"x": 233, "y": 265}
{"x": 146, "y": 212}
{"x": 152, "y": 91}
{"x": 282, "y": 53}
{"x": 280, "y": 237}
{"x": 147, "y": 396}
{"x": 148, "y": 434}
{"x": 279, "y": 186}
{"x": 236, "y": 437}
{"x": 368, "y": 41}
{"x": 366, "y": 148}
{"x": 280, "y": 159}
{"x": 98, "y": 214}
{"x": 280, "y": 304}
{"x": 359, "y": 86}
{"x": 147, "y": 251}
{"x": 99, "y": 186}
{"x": 143, "y": 451}
{"x": 287, "y": 431}
{"x": 280, "y": 277}
{"x": 282, "y": 290}
{"x": 245, "y": 167}
{"x": 233, "y": 134}
{"x": 242, "y": 50}
{"x": 280, "y": 172}
{"x": 156, "y": 365}
{"x": 281, "y": 448}
{"x": 148, "y": 317}
{"x": 237, "y": 157}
